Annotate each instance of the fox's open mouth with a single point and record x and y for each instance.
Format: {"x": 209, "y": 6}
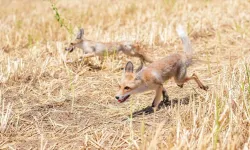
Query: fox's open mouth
{"x": 124, "y": 99}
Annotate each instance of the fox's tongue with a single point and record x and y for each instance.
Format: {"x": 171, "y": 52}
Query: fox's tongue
{"x": 121, "y": 100}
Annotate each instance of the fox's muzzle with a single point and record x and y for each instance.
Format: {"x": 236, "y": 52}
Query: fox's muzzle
{"x": 122, "y": 99}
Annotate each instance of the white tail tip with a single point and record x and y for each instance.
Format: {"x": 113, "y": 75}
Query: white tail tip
{"x": 181, "y": 32}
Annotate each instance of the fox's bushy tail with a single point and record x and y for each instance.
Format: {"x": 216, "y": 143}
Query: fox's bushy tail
{"x": 186, "y": 43}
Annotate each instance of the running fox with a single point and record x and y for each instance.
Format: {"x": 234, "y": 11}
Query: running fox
{"x": 91, "y": 48}
{"x": 155, "y": 74}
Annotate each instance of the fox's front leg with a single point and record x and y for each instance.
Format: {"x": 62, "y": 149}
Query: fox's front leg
{"x": 86, "y": 56}
{"x": 165, "y": 97}
{"x": 157, "y": 98}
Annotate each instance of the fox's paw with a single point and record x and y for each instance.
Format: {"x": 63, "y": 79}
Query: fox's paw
{"x": 204, "y": 88}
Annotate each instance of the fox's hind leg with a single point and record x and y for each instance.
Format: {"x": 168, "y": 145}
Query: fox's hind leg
{"x": 181, "y": 75}
{"x": 180, "y": 81}
{"x": 197, "y": 80}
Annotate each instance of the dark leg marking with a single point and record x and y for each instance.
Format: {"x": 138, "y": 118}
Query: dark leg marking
{"x": 180, "y": 85}
{"x": 165, "y": 96}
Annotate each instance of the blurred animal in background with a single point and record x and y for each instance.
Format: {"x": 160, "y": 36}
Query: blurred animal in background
{"x": 92, "y": 48}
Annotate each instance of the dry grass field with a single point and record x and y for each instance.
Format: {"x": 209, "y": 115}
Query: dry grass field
{"x": 46, "y": 103}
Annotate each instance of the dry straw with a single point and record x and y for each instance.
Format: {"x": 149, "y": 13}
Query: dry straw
{"x": 49, "y": 104}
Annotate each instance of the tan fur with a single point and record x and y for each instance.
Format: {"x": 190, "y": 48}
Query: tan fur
{"x": 154, "y": 75}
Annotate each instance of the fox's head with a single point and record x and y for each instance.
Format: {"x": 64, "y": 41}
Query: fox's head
{"x": 131, "y": 83}
{"x": 77, "y": 42}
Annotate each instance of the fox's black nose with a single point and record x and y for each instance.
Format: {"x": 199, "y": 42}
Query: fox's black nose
{"x": 117, "y": 97}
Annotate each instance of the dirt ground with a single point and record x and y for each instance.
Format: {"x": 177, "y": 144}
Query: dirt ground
{"x": 47, "y": 103}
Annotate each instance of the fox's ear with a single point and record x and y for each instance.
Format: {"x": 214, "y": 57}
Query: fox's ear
{"x": 80, "y": 33}
{"x": 129, "y": 67}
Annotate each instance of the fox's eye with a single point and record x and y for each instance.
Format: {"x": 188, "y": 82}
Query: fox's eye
{"x": 127, "y": 88}
{"x": 71, "y": 43}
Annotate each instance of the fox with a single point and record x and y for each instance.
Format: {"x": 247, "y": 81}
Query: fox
{"x": 92, "y": 48}
{"x": 153, "y": 76}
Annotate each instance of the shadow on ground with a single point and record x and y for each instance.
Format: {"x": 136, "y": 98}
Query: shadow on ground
{"x": 174, "y": 102}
